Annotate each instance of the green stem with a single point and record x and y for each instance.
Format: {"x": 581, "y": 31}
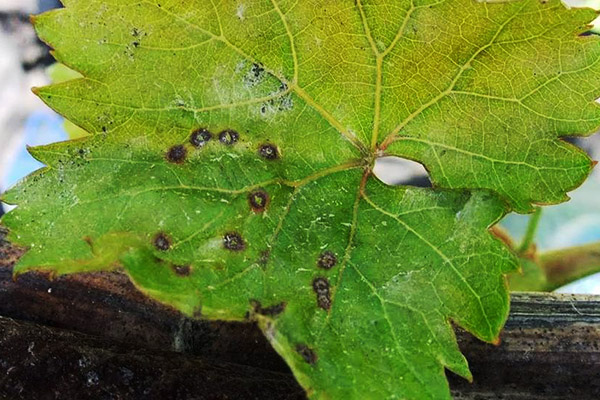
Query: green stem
{"x": 531, "y": 230}
{"x": 566, "y": 265}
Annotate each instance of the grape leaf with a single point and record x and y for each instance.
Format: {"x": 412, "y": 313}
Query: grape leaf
{"x": 229, "y": 167}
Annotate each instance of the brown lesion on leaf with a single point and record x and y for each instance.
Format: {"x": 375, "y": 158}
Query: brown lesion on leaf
{"x": 176, "y": 154}
{"x": 321, "y": 288}
{"x": 308, "y": 354}
{"x": 162, "y": 242}
{"x": 327, "y": 260}
{"x": 258, "y": 200}
{"x": 264, "y": 258}
{"x": 182, "y": 270}
{"x": 200, "y": 137}
{"x": 229, "y": 137}
{"x": 270, "y": 311}
{"x": 233, "y": 241}
{"x": 9, "y": 253}
{"x": 268, "y": 151}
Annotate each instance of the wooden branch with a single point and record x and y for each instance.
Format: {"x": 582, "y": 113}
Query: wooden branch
{"x": 550, "y": 347}
{"x": 37, "y": 362}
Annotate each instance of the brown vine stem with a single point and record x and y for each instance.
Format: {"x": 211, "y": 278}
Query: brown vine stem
{"x": 567, "y": 265}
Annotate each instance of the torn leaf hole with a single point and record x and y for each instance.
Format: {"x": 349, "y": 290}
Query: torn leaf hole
{"x": 396, "y": 171}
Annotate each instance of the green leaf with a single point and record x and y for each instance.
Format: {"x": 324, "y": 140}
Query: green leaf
{"x": 278, "y": 218}
{"x": 61, "y": 73}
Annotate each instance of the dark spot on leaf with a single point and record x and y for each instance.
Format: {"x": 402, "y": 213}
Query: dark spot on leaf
{"x": 307, "y": 353}
{"x": 233, "y": 241}
{"x": 257, "y": 70}
{"x": 271, "y": 311}
{"x": 258, "y": 200}
{"x": 264, "y": 258}
{"x": 321, "y": 288}
{"x": 327, "y": 260}
{"x": 254, "y": 76}
{"x": 162, "y": 242}
{"x": 268, "y": 151}
{"x": 200, "y": 137}
{"x": 182, "y": 270}
{"x": 229, "y": 137}
{"x": 177, "y": 154}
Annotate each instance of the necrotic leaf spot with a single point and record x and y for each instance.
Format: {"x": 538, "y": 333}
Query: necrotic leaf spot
{"x": 321, "y": 288}
{"x": 182, "y": 270}
{"x": 233, "y": 241}
{"x": 307, "y": 353}
{"x": 268, "y": 151}
{"x": 177, "y": 154}
{"x": 271, "y": 311}
{"x": 200, "y": 137}
{"x": 229, "y": 137}
{"x": 264, "y": 257}
{"x": 258, "y": 200}
{"x": 327, "y": 260}
{"x": 162, "y": 242}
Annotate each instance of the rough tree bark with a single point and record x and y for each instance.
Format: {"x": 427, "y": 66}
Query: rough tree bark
{"x": 94, "y": 337}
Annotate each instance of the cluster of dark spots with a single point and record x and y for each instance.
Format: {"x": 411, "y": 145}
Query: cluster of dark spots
{"x": 258, "y": 199}
{"x": 321, "y": 288}
{"x": 257, "y": 70}
{"x": 268, "y": 151}
{"x": 271, "y": 311}
{"x": 162, "y": 242}
{"x": 177, "y": 154}
{"x": 255, "y": 75}
{"x": 200, "y": 137}
{"x": 327, "y": 260}
{"x": 307, "y": 353}
{"x": 233, "y": 241}
{"x": 281, "y": 101}
{"x": 182, "y": 270}
{"x": 229, "y": 137}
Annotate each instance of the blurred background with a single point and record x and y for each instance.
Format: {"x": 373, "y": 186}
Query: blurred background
{"x": 26, "y": 121}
